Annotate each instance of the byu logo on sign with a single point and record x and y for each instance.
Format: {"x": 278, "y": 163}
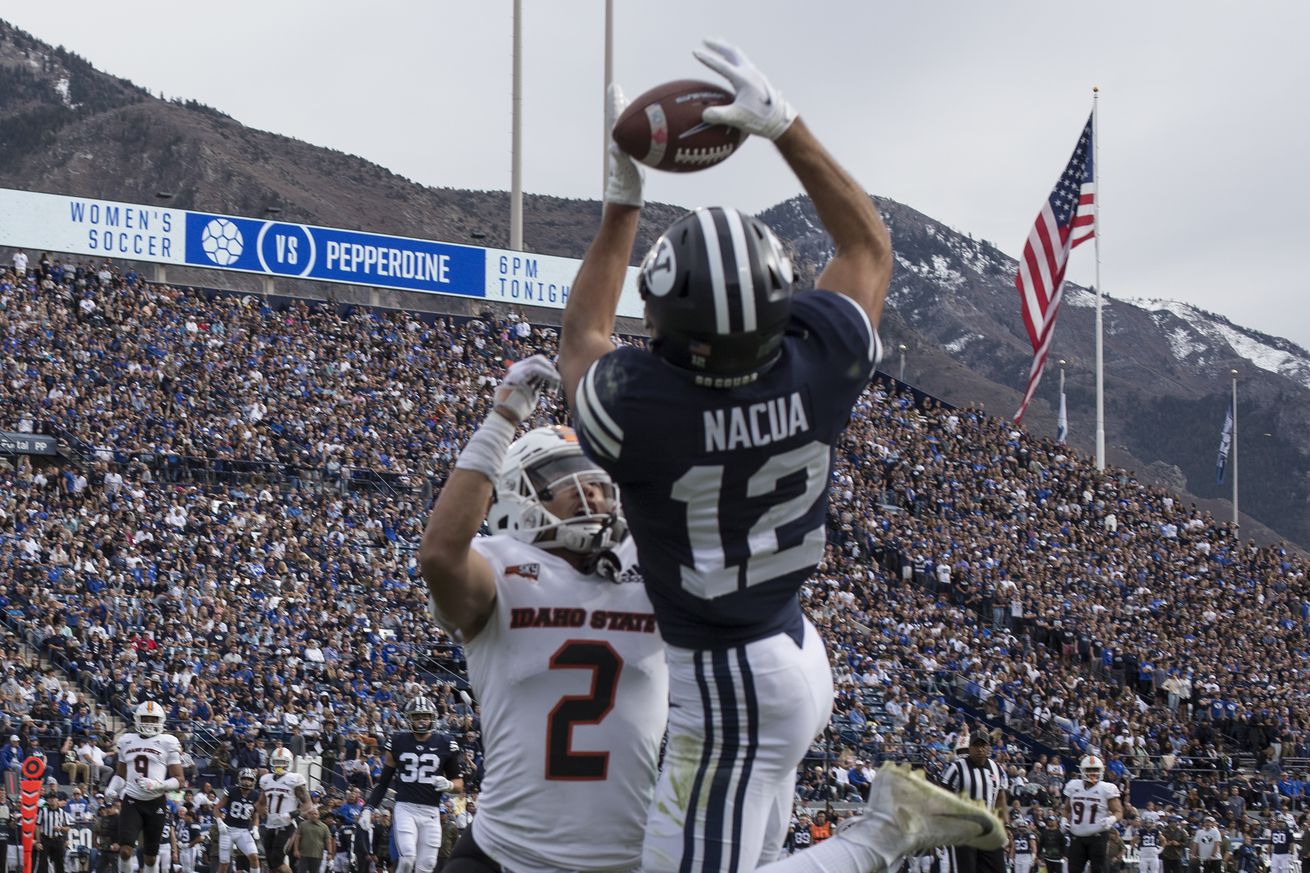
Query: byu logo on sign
{"x": 222, "y": 242}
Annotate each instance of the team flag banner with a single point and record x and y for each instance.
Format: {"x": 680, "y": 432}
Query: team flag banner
{"x": 1066, "y": 221}
{"x": 1225, "y": 445}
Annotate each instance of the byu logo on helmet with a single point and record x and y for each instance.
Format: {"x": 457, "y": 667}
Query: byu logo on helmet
{"x": 723, "y": 304}
{"x": 660, "y": 269}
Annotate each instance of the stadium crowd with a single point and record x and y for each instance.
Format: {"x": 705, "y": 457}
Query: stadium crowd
{"x": 237, "y": 544}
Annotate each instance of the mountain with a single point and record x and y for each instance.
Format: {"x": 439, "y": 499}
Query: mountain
{"x": 67, "y": 128}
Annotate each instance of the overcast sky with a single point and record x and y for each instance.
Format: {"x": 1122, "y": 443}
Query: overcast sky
{"x": 966, "y": 111}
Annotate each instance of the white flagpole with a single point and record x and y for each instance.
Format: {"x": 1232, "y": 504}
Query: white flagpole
{"x": 1236, "y": 521}
{"x": 1096, "y": 241}
{"x": 1064, "y": 415}
{"x": 516, "y": 134}
{"x": 605, "y": 95}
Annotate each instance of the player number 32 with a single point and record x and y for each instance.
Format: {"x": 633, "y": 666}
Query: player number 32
{"x": 701, "y": 488}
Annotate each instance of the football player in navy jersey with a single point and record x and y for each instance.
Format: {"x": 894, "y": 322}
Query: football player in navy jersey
{"x": 721, "y": 438}
{"x": 424, "y": 764}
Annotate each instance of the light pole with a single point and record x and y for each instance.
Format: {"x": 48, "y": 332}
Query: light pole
{"x": 901, "y": 377}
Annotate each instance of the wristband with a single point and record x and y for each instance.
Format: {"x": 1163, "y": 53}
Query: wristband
{"x": 485, "y": 451}
{"x": 170, "y": 784}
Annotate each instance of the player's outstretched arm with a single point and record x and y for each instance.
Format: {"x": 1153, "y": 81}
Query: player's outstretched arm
{"x": 588, "y": 320}
{"x": 461, "y": 584}
{"x": 862, "y": 266}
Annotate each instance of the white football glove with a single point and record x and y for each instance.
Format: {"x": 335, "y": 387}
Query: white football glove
{"x": 1109, "y": 820}
{"x": 365, "y": 820}
{"x": 145, "y": 783}
{"x": 759, "y": 108}
{"x": 623, "y": 185}
{"x": 441, "y": 783}
{"x": 524, "y": 384}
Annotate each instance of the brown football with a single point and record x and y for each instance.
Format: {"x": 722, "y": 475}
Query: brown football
{"x": 663, "y": 128}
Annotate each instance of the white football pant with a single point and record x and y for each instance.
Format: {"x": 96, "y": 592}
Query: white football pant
{"x": 740, "y": 721}
{"x": 416, "y": 828}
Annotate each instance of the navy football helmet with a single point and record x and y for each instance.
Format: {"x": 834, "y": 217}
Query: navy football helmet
{"x": 717, "y": 286}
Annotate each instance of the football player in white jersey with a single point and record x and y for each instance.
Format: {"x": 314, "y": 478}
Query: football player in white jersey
{"x": 1094, "y": 807}
{"x": 285, "y": 793}
{"x": 566, "y": 662}
{"x": 564, "y": 654}
{"x": 149, "y": 766}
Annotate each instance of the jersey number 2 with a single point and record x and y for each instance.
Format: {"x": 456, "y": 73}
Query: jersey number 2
{"x": 562, "y": 763}
{"x": 701, "y": 489}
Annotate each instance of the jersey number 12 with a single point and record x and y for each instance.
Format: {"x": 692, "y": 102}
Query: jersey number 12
{"x": 701, "y": 489}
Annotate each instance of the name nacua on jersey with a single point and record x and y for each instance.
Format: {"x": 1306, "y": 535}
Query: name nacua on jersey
{"x": 419, "y": 763}
{"x": 147, "y": 758}
{"x": 1088, "y": 805}
{"x": 280, "y": 799}
{"x": 725, "y": 490}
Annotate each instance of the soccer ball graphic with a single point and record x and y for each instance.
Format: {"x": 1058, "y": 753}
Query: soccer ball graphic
{"x": 222, "y": 242}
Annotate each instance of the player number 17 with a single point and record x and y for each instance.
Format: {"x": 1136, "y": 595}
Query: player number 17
{"x": 701, "y": 489}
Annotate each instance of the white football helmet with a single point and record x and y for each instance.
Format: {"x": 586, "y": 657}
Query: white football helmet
{"x": 281, "y": 760}
{"x": 149, "y": 719}
{"x": 545, "y": 463}
{"x": 1092, "y": 769}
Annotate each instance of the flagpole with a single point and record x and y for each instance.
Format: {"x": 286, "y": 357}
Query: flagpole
{"x": 1236, "y": 521}
{"x": 1096, "y": 241}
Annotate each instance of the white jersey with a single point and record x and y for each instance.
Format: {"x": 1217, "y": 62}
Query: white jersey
{"x": 570, "y": 675}
{"x": 1088, "y": 804}
{"x": 147, "y": 758}
{"x": 280, "y": 797}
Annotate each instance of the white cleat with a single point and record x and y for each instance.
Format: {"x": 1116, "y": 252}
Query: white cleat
{"x": 907, "y": 815}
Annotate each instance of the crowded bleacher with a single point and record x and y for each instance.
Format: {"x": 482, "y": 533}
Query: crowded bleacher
{"x": 230, "y": 530}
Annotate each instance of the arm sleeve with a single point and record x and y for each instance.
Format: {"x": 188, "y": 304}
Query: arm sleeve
{"x": 951, "y": 777}
{"x": 453, "y": 766}
{"x": 597, "y": 413}
{"x": 380, "y": 790}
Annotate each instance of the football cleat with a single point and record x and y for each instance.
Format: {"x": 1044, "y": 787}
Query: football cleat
{"x": 907, "y": 815}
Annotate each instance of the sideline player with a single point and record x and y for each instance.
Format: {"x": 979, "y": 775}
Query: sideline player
{"x": 721, "y": 436}
{"x": 1147, "y": 840}
{"x": 237, "y": 818}
{"x": 1023, "y": 847}
{"x": 285, "y": 793}
{"x": 1282, "y": 837}
{"x": 149, "y": 766}
{"x": 424, "y": 765}
{"x": 1094, "y": 807}
{"x": 566, "y": 662}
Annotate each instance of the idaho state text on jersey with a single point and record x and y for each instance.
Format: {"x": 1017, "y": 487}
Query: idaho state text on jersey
{"x": 564, "y": 616}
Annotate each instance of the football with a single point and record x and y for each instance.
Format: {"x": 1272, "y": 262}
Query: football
{"x": 663, "y": 128}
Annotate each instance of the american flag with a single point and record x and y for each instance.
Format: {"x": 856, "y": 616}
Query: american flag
{"x": 1067, "y": 220}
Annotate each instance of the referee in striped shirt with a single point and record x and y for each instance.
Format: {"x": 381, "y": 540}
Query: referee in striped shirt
{"x": 977, "y": 777}
{"x": 52, "y": 823}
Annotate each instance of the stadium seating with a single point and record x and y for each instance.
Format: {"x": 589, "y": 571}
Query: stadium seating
{"x": 232, "y": 532}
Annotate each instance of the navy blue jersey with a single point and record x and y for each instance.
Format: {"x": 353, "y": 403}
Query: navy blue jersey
{"x": 1281, "y": 840}
{"x": 1023, "y": 844}
{"x": 166, "y": 835}
{"x": 344, "y": 836}
{"x": 726, "y": 489}
{"x": 1148, "y": 838}
{"x": 419, "y": 763}
{"x": 240, "y": 807}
